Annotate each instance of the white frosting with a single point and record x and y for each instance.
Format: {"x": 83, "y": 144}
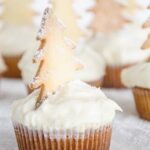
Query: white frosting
{"x": 141, "y": 3}
{"x": 3, "y": 67}
{"x": 14, "y": 40}
{"x": 137, "y": 76}
{"x": 122, "y": 47}
{"x": 75, "y": 105}
{"x": 93, "y": 65}
{"x": 85, "y": 16}
{"x": 140, "y": 15}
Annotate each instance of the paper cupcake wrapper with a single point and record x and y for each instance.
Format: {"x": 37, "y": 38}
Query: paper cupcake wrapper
{"x": 96, "y": 83}
{"x": 112, "y": 78}
{"x": 12, "y": 64}
{"x": 92, "y": 139}
{"x": 142, "y": 101}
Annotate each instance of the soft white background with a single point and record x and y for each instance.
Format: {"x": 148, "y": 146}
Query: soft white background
{"x": 129, "y": 132}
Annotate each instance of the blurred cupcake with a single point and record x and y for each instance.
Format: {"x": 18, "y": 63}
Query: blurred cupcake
{"x": 19, "y": 20}
{"x": 77, "y": 116}
{"x": 123, "y": 50}
{"x": 121, "y": 45}
{"x": 137, "y": 78}
{"x": 3, "y": 66}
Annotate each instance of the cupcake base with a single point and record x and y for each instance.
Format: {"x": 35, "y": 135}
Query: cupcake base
{"x": 12, "y": 64}
{"x": 112, "y": 78}
{"x": 63, "y": 140}
{"x": 96, "y": 83}
{"x": 142, "y": 101}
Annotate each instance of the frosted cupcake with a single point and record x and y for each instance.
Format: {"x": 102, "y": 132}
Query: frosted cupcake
{"x": 19, "y": 20}
{"x": 61, "y": 113}
{"x": 121, "y": 46}
{"x": 137, "y": 78}
{"x": 93, "y": 65}
{"x": 3, "y": 67}
{"x": 77, "y": 116}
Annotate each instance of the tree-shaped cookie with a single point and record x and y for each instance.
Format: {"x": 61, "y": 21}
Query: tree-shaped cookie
{"x": 17, "y": 11}
{"x": 108, "y": 16}
{"x": 64, "y": 11}
{"x": 146, "y": 44}
{"x": 55, "y": 57}
{"x": 1, "y": 11}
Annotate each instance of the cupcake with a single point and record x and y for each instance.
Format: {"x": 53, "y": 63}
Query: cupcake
{"x": 61, "y": 113}
{"x": 137, "y": 78}
{"x": 78, "y": 117}
{"x": 3, "y": 67}
{"x": 19, "y": 21}
{"x": 121, "y": 47}
{"x": 93, "y": 65}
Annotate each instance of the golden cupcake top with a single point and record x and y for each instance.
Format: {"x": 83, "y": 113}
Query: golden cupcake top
{"x": 55, "y": 56}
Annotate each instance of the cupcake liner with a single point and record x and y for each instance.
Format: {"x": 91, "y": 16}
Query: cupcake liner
{"x": 112, "y": 78}
{"x": 93, "y": 139}
{"x": 12, "y": 64}
{"x": 96, "y": 83}
{"x": 142, "y": 101}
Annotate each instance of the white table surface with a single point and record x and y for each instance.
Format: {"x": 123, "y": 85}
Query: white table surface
{"x": 129, "y": 132}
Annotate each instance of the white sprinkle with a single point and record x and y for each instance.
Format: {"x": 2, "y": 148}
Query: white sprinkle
{"x": 38, "y": 55}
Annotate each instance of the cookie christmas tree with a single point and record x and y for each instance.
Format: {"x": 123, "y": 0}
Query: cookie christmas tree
{"x": 17, "y": 11}
{"x": 1, "y": 11}
{"x": 55, "y": 57}
{"x": 146, "y": 44}
{"x": 108, "y": 16}
{"x": 64, "y": 11}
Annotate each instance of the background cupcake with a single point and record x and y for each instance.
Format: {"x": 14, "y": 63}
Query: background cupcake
{"x": 121, "y": 46}
{"x": 85, "y": 114}
{"x": 19, "y": 22}
{"x": 137, "y": 77}
{"x": 3, "y": 67}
